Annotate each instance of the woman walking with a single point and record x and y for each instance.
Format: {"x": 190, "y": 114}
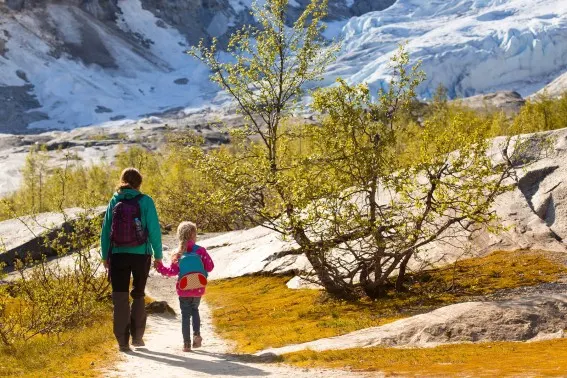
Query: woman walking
{"x": 130, "y": 235}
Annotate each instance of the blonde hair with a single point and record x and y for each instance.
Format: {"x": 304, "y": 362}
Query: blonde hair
{"x": 130, "y": 178}
{"x": 186, "y": 231}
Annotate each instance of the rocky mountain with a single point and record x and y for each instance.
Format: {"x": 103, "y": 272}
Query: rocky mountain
{"x": 72, "y": 63}
{"x": 556, "y": 88}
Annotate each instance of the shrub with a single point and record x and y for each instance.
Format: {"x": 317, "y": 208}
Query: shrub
{"x": 50, "y": 298}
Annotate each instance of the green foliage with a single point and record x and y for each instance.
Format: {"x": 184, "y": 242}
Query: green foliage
{"x": 170, "y": 178}
{"x": 542, "y": 113}
{"x": 351, "y": 200}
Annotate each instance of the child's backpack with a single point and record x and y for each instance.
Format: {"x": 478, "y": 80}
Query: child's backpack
{"x": 192, "y": 273}
{"x": 126, "y": 228}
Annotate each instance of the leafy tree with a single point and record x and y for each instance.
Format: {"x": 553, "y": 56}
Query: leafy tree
{"x": 398, "y": 209}
{"x": 357, "y": 206}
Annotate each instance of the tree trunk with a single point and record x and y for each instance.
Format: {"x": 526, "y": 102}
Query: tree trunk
{"x": 335, "y": 286}
{"x": 402, "y": 274}
{"x": 373, "y": 288}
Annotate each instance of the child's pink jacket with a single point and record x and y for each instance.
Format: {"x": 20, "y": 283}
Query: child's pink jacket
{"x": 173, "y": 270}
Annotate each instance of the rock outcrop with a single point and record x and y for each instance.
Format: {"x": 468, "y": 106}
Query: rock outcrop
{"x": 523, "y": 319}
{"x": 556, "y": 88}
{"x": 30, "y": 236}
{"x": 534, "y": 216}
{"x": 508, "y": 102}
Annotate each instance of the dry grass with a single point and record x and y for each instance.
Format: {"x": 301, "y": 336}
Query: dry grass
{"x": 546, "y": 358}
{"x": 497, "y": 271}
{"x": 80, "y": 353}
{"x": 260, "y": 312}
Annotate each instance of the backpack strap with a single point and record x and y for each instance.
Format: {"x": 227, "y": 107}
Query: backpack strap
{"x": 194, "y": 249}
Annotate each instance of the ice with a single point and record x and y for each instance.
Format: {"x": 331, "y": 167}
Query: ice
{"x": 470, "y": 47}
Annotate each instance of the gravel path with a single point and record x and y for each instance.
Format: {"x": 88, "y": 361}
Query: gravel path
{"x": 163, "y": 355}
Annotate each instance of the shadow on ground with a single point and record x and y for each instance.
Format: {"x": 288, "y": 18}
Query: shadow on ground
{"x": 224, "y": 363}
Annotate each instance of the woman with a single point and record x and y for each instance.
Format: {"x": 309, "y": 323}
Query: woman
{"x": 130, "y": 235}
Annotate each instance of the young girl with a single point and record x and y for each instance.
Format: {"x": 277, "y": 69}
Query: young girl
{"x": 189, "y": 299}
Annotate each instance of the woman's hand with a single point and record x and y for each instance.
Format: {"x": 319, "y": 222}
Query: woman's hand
{"x": 157, "y": 263}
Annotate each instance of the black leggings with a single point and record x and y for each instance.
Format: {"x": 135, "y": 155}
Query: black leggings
{"x": 124, "y": 265}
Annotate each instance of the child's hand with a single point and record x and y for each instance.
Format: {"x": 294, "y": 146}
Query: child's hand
{"x": 175, "y": 258}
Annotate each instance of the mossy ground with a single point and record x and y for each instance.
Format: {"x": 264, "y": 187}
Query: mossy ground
{"x": 546, "y": 358}
{"x": 260, "y": 311}
{"x": 79, "y": 353}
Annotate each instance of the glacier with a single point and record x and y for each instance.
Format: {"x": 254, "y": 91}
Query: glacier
{"x": 468, "y": 46}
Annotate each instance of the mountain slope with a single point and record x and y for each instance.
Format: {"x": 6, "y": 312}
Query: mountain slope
{"x": 71, "y": 63}
{"x": 84, "y": 71}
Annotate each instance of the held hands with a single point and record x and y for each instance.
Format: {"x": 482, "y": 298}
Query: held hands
{"x": 157, "y": 263}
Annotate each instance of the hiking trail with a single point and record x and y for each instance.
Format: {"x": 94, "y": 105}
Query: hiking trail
{"x": 163, "y": 355}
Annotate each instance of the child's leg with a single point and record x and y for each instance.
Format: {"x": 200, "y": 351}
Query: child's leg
{"x": 195, "y": 314}
{"x": 186, "y": 308}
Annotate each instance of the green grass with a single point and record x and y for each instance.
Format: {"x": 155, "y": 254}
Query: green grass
{"x": 546, "y": 358}
{"x": 79, "y": 353}
{"x": 260, "y": 312}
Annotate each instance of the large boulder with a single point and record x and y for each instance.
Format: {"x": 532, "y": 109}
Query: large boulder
{"x": 524, "y": 319}
{"x": 506, "y": 101}
{"x": 31, "y": 235}
{"x": 257, "y": 250}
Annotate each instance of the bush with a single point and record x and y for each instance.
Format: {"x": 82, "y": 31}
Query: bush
{"x": 50, "y": 298}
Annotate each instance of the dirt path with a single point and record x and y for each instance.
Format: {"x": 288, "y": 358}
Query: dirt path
{"x": 163, "y": 355}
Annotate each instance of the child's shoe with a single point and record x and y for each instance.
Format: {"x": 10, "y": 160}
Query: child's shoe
{"x": 197, "y": 341}
{"x": 187, "y": 347}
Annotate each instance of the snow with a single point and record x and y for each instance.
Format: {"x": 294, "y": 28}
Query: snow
{"x": 468, "y": 46}
{"x": 138, "y": 81}
{"x": 334, "y": 29}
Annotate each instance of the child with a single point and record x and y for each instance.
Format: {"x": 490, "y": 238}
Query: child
{"x": 192, "y": 264}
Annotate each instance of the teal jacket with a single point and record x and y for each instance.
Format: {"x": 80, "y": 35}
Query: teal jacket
{"x": 149, "y": 220}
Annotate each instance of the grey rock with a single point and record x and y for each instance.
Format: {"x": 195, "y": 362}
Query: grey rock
{"x": 556, "y": 88}
{"x": 32, "y": 235}
{"x": 522, "y": 319}
{"x": 15, "y": 4}
{"x": 103, "y": 109}
{"x": 506, "y": 101}
{"x": 22, "y": 75}
{"x": 16, "y": 103}
{"x": 159, "y": 307}
{"x": 182, "y": 81}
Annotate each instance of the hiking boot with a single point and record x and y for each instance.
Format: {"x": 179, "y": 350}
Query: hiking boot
{"x": 187, "y": 347}
{"x": 138, "y": 343}
{"x": 124, "y": 348}
{"x": 197, "y": 341}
